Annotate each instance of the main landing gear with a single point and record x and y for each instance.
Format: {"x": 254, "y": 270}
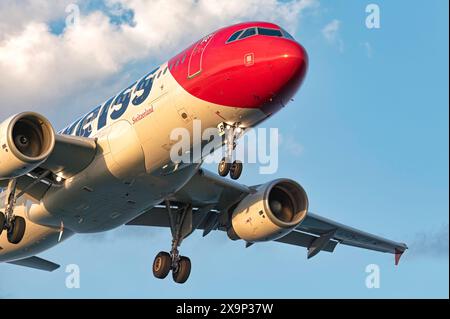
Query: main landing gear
{"x": 164, "y": 263}
{"x": 227, "y": 165}
{"x": 14, "y": 225}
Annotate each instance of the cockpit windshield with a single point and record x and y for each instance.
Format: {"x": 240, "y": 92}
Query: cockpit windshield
{"x": 245, "y": 33}
{"x": 270, "y": 32}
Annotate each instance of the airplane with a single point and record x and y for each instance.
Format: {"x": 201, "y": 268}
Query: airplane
{"x": 112, "y": 166}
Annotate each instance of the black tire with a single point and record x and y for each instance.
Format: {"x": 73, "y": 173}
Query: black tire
{"x": 162, "y": 265}
{"x": 236, "y": 170}
{"x": 181, "y": 275}
{"x": 224, "y": 167}
{"x": 2, "y": 222}
{"x": 17, "y": 230}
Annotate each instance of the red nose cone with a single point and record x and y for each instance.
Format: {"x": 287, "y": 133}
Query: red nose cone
{"x": 289, "y": 64}
{"x": 257, "y": 72}
{"x": 292, "y": 65}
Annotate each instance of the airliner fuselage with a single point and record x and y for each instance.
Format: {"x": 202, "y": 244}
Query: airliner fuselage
{"x": 239, "y": 75}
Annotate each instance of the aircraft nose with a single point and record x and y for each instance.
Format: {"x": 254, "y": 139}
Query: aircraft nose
{"x": 295, "y": 60}
{"x": 289, "y": 66}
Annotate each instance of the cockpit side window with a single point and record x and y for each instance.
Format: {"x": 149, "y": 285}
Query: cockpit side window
{"x": 248, "y": 33}
{"x": 270, "y": 32}
{"x": 234, "y": 36}
{"x": 287, "y": 35}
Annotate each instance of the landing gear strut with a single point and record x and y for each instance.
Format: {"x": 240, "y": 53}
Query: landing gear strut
{"x": 14, "y": 225}
{"x": 180, "y": 226}
{"x": 227, "y": 165}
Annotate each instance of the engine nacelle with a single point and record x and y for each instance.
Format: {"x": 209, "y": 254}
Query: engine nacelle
{"x": 275, "y": 210}
{"x": 26, "y": 141}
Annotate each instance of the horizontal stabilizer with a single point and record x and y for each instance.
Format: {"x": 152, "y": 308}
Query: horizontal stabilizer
{"x": 36, "y": 263}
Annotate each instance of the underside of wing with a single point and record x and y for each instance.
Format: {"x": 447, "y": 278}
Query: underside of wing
{"x": 216, "y": 200}
{"x": 36, "y": 263}
{"x": 71, "y": 155}
{"x": 297, "y": 238}
{"x": 350, "y": 236}
{"x": 206, "y": 188}
{"x": 204, "y": 219}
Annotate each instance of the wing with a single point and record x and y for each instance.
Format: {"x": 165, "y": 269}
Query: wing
{"x": 36, "y": 263}
{"x": 70, "y": 156}
{"x": 350, "y": 236}
{"x": 210, "y": 195}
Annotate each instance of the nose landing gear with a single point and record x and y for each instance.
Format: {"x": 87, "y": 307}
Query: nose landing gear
{"x": 236, "y": 169}
{"x": 14, "y": 225}
{"x": 181, "y": 227}
{"x": 224, "y": 167}
{"x": 227, "y": 165}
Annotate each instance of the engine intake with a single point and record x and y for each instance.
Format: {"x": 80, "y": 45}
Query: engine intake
{"x": 276, "y": 209}
{"x": 26, "y": 141}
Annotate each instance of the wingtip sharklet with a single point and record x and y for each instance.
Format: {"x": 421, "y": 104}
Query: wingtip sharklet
{"x": 398, "y": 254}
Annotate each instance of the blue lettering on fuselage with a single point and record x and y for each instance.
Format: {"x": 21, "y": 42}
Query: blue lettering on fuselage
{"x": 69, "y": 130}
{"x": 85, "y": 127}
{"x": 118, "y": 104}
{"x": 121, "y": 103}
{"x": 144, "y": 87}
{"x": 104, "y": 114}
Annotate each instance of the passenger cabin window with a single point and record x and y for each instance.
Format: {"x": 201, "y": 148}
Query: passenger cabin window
{"x": 270, "y": 32}
{"x": 248, "y": 33}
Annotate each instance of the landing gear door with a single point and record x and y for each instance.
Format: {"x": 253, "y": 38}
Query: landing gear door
{"x": 196, "y": 58}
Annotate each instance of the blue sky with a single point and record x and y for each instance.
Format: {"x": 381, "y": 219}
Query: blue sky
{"x": 368, "y": 139}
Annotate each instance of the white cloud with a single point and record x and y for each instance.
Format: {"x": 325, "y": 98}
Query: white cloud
{"x": 15, "y": 15}
{"x": 41, "y": 69}
{"x": 291, "y": 145}
{"x": 330, "y": 31}
{"x": 331, "y": 34}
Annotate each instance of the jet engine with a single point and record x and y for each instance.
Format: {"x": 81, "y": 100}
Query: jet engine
{"x": 273, "y": 211}
{"x": 26, "y": 141}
